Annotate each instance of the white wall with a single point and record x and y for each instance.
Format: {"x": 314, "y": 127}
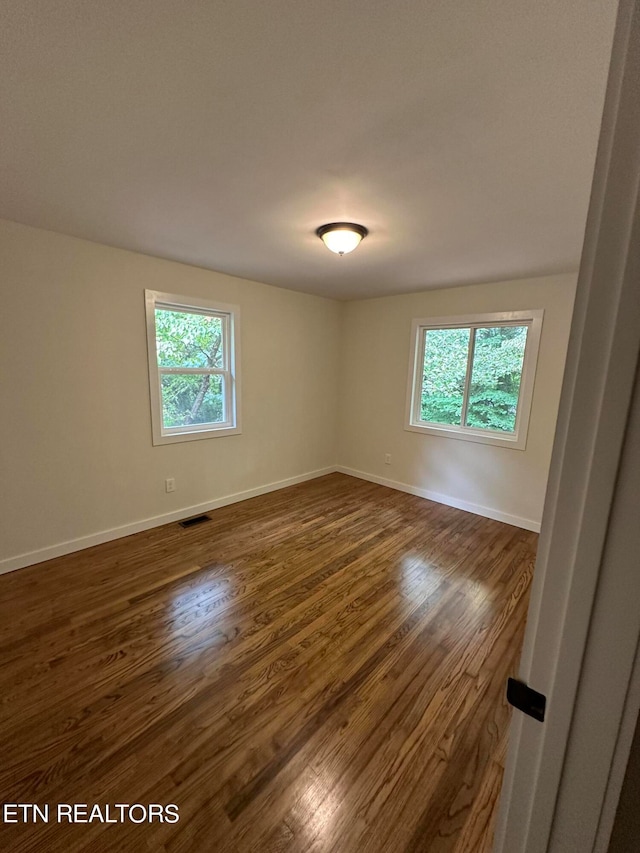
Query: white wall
{"x": 497, "y": 481}
{"x": 76, "y": 457}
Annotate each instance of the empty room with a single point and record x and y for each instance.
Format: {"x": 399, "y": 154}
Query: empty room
{"x": 287, "y": 297}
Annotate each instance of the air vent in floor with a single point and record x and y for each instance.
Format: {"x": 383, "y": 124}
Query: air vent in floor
{"x": 197, "y": 519}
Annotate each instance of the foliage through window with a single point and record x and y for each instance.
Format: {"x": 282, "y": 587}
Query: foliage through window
{"x": 192, "y": 367}
{"x": 468, "y": 376}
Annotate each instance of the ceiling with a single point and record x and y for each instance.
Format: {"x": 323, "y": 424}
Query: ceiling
{"x": 222, "y": 133}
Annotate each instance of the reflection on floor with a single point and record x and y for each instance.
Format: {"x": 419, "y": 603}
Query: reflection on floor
{"x": 317, "y": 669}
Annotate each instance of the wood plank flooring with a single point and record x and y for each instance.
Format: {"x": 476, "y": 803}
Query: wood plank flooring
{"x": 317, "y": 670}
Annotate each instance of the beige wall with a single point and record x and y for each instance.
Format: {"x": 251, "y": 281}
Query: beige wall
{"x": 323, "y": 383}
{"x": 76, "y": 456}
{"x": 497, "y": 481}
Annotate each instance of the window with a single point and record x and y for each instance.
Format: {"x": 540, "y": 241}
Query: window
{"x": 472, "y": 377}
{"x": 193, "y": 367}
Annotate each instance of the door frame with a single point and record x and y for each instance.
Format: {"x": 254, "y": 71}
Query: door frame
{"x": 572, "y": 623}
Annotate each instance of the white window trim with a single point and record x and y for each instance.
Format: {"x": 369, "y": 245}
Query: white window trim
{"x": 231, "y": 338}
{"x": 516, "y": 440}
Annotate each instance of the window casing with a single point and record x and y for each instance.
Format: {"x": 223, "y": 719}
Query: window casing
{"x": 454, "y": 387}
{"x": 194, "y": 381}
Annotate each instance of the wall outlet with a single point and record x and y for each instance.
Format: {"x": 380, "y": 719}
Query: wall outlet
{"x": 170, "y": 484}
{"x": 387, "y": 459}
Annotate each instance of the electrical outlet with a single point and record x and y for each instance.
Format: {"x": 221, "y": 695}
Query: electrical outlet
{"x": 387, "y": 459}
{"x": 170, "y": 484}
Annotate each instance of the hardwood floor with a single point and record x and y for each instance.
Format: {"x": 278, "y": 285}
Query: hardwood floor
{"x": 318, "y": 670}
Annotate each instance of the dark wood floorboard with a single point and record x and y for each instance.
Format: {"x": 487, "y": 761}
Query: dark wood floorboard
{"x": 317, "y": 670}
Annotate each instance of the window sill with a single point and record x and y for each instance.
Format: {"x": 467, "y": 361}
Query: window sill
{"x": 514, "y": 442}
{"x": 195, "y": 435}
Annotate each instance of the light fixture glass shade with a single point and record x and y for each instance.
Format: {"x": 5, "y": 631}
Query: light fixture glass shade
{"x": 341, "y": 237}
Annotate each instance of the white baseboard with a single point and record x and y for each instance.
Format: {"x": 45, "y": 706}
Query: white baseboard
{"x": 477, "y": 509}
{"x": 32, "y": 557}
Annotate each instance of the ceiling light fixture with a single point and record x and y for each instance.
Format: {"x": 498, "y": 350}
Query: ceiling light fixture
{"x": 341, "y": 237}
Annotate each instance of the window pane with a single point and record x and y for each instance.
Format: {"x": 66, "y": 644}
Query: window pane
{"x": 185, "y": 339}
{"x": 445, "y": 367}
{"x": 498, "y": 356}
{"x": 192, "y": 398}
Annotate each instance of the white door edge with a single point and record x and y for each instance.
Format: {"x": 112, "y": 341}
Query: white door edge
{"x": 596, "y": 396}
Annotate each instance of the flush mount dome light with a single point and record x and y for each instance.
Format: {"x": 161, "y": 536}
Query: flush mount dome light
{"x": 341, "y": 237}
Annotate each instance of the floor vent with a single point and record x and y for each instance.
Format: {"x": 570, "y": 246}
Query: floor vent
{"x": 197, "y": 519}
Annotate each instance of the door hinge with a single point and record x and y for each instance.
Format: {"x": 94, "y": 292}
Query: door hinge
{"x": 526, "y": 699}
